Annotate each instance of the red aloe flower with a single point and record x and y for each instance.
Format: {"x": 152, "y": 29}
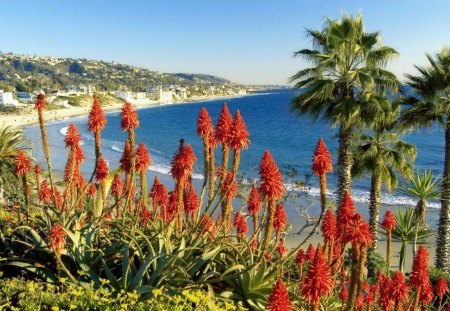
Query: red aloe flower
{"x": 426, "y": 294}
{"x": 223, "y": 126}
{"x": 143, "y": 160}
{"x": 279, "y": 298}
{"x": 72, "y": 137}
{"x": 310, "y": 252}
{"x": 345, "y": 214}
{"x": 97, "y": 120}
{"x": 207, "y": 226}
{"x": 59, "y": 199}
{"x": 191, "y": 203}
{"x": 441, "y": 287}
{"x": 168, "y": 211}
{"x": 116, "y": 186}
{"x": 68, "y": 170}
{"x": 398, "y": 288}
{"x": 280, "y": 220}
{"x": 145, "y": 217}
{"x": 92, "y": 190}
{"x": 56, "y": 237}
{"x": 318, "y": 282}
{"x": 238, "y": 138}
{"x": 45, "y": 193}
{"x": 230, "y": 187}
{"x": 37, "y": 169}
{"x": 125, "y": 160}
{"x": 254, "y": 201}
{"x": 343, "y": 295}
{"x": 129, "y": 117}
{"x": 360, "y": 233}
{"x": 204, "y": 124}
{"x": 22, "y": 163}
{"x": 272, "y": 181}
{"x": 329, "y": 226}
{"x": 419, "y": 275}
{"x": 282, "y": 249}
{"x": 102, "y": 170}
{"x": 158, "y": 193}
{"x": 359, "y": 305}
{"x": 40, "y": 102}
{"x": 385, "y": 299}
{"x": 79, "y": 182}
{"x": 322, "y": 162}
{"x": 183, "y": 162}
{"x": 79, "y": 154}
{"x": 300, "y": 257}
{"x": 389, "y": 221}
{"x": 241, "y": 225}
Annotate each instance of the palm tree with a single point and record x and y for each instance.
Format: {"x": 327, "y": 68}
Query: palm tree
{"x": 343, "y": 84}
{"x": 383, "y": 154}
{"x": 430, "y": 106}
{"x": 11, "y": 140}
{"x": 423, "y": 188}
{"x": 405, "y": 231}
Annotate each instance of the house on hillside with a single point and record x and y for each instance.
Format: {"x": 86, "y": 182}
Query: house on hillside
{"x": 7, "y": 99}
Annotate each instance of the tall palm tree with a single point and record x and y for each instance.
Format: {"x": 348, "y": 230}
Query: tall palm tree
{"x": 11, "y": 140}
{"x": 423, "y": 188}
{"x": 428, "y": 106}
{"x": 383, "y": 155}
{"x": 343, "y": 83}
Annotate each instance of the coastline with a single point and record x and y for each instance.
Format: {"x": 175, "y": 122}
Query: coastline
{"x": 22, "y": 120}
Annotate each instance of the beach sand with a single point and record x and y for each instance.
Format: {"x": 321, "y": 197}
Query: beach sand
{"x": 20, "y": 120}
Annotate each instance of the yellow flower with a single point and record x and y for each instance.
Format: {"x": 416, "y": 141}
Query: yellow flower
{"x": 157, "y": 292}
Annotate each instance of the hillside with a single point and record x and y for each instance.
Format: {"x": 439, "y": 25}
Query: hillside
{"x": 27, "y": 73}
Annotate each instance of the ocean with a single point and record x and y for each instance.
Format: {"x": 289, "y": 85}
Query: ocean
{"x": 290, "y": 138}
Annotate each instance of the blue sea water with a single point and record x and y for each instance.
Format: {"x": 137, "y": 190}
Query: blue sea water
{"x": 290, "y": 138}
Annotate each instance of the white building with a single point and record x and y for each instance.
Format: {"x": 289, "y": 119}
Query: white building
{"x": 6, "y": 99}
{"x": 159, "y": 94}
{"x": 141, "y": 95}
{"x": 125, "y": 95}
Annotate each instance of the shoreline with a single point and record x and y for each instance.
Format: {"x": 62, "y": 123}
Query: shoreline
{"x": 23, "y": 120}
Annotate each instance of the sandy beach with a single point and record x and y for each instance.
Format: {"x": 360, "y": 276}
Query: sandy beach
{"x": 20, "y": 120}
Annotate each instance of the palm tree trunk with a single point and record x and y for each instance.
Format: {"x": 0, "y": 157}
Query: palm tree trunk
{"x": 345, "y": 161}
{"x": 443, "y": 237}
{"x": 374, "y": 215}
{"x": 374, "y": 208}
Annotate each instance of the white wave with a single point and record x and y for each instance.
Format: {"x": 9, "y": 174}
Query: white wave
{"x": 165, "y": 169}
{"x": 63, "y": 131}
{"x": 362, "y": 196}
{"x": 117, "y": 149}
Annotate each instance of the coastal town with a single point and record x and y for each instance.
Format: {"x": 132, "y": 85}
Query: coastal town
{"x": 23, "y": 77}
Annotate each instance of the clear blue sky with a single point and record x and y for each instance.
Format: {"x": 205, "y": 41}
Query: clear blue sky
{"x": 246, "y": 41}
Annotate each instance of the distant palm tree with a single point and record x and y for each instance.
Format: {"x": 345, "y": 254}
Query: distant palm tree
{"x": 11, "y": 140}
{"x": 405, "y": 232}
{"x": 422, "y": 187}
{"x": 344, "y": 82}
{"x": 383, "y": 154}
{"x": 432, "y": 105}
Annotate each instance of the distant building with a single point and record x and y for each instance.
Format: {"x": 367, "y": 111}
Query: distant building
{"x": 160, "y": 94}
{"x": 6, "y": 99}
{"x": 141, "y": 95}
{"x": 125, "y": 95}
